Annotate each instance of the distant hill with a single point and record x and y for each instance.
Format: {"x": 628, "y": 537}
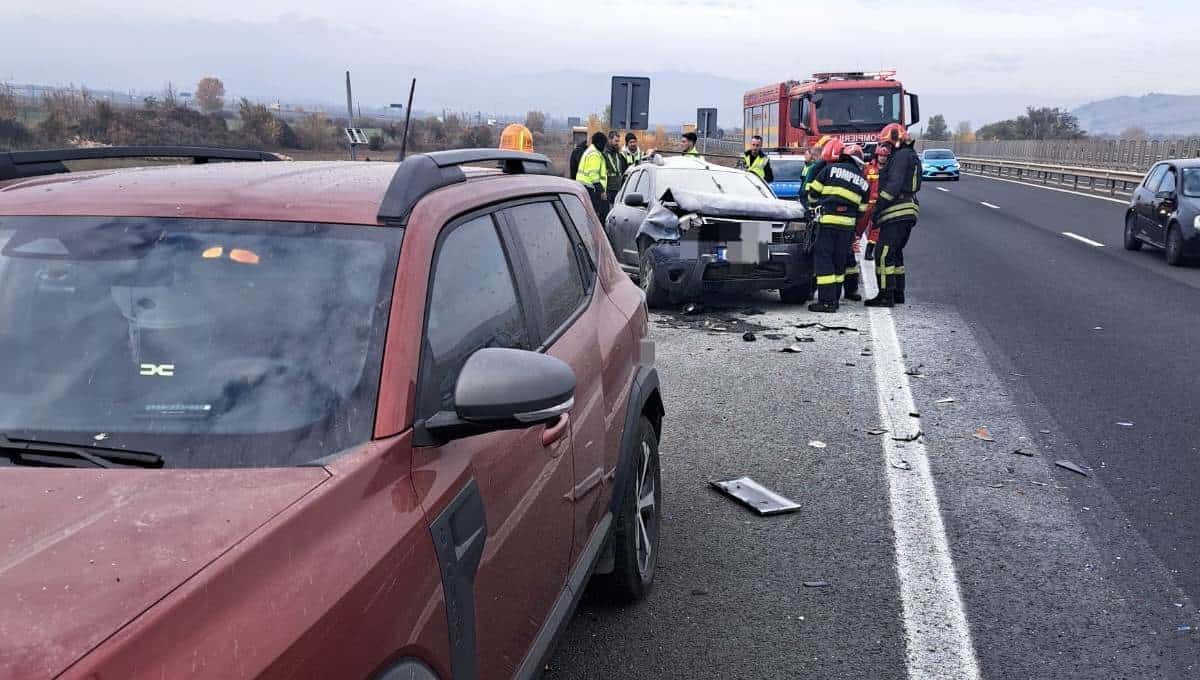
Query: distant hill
{"x": 1157, "y": 114}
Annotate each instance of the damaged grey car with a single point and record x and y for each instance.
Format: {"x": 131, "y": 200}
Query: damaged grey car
{"x": 685, "y": 228}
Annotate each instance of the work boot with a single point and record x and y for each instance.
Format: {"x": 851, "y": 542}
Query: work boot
{"x": 898, "y": 291}
{"x": 856, "y": 297}
{"x": 884, "y": 299}
{"x": 822, "y": 307}
{"x": 869, "y": 253}
{"x": 898, "y": 297}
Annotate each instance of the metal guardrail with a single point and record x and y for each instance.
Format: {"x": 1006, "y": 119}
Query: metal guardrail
{"x": 1099, "y": 180}
{"x": 1118, "y": 154}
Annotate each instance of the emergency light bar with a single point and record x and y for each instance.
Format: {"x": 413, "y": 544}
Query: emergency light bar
{"x": 856, "y": 75}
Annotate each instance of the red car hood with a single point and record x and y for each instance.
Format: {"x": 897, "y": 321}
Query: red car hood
{"x": 83, "y": 552}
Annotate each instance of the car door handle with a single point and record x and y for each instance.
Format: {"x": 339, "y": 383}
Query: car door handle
{"x": 555, "y": 432}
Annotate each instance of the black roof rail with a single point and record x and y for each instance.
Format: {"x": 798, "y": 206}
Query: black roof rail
{"x": 421, "y": 174}
{"x": 17, "y": 164}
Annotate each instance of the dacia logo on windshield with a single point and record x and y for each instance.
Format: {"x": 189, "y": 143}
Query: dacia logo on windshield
{"x": 160, "y": 370}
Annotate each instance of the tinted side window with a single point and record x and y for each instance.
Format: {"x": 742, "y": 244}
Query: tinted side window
{"x": 583, "y": 225}
{"x": 643, "y": 185}
{"x": 1168, "y": 181}
{"x": 473, "y": 304}
{"x": 541, "y": 236}
{"x": 1154, "y": 177}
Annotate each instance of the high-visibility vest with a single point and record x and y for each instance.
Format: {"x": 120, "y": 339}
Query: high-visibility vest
{"x": 632, "y": 157}
{"x": 592, "y": 169}
{"x": 757, "y": 165}
{"x": 693, "y": 153}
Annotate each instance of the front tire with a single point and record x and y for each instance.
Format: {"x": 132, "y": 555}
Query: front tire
{"x": 1174, "y": 252}
{"x": 636, "y": 533}
{"x": 655, "y": 295}
{"x": 1132, "y": 242}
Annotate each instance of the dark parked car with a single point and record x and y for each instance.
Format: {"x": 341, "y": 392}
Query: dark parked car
{"x": 1165, "y": 211}
{"x": 318, "y": 420}
{"x": 685, "y": 227}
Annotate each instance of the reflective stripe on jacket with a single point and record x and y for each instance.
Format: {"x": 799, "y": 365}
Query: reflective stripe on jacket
{"x": 759, "y": 165}
{"x": 592, "y": 169}
{"x": 840, "y": 190}
{"x": 899, "y": 181}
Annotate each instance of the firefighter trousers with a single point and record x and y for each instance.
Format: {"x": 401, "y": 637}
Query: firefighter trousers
{"x": 889, "y": 264}
{"x": 830, "y": 255}
{"x": 850, "y": 285}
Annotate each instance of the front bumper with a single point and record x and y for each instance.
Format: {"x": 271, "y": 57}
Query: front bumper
{"x": 690, "y": 278}
{"x": 938, "y": 173}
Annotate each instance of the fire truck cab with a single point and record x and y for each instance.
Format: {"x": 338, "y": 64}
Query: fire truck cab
{"x": 853, "y": 106}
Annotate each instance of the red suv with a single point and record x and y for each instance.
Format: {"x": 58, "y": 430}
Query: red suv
{"x": 329, "y": 420}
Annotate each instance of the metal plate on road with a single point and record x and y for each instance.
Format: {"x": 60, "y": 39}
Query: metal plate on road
{"x": 755, "y": 496}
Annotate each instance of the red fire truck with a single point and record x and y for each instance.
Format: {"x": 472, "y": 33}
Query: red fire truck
{"x": 853, "y": 106}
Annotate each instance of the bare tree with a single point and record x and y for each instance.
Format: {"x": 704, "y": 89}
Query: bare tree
{"x": 210, "y": 94}
{"x": 170, "y": 100}
{"x": 535, "y": 121}
{"x": 963, "y": 132}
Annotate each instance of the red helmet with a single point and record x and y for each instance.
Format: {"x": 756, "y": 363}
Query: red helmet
{"x": 854, "y": 150}
{"x": 832, "y": 150}
{"x": 894, "y": 134}
{"x": 883, "y": 151}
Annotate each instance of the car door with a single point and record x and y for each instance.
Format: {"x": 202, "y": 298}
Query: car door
{"x": 633, "y": 218}
{"x": 498, "y": 498}
{"x": 1143, "y": 200}
{"x": 620, "y": 217}
{"x": 1163, "y": 203}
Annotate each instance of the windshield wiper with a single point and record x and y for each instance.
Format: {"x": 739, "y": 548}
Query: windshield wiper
{"x": 54, "y": 454}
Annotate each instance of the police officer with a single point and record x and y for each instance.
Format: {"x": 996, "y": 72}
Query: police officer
{"x": 614, "y": 163}
{"x": 689, "y": 145}
{"x": 631, "y": 153}
{"x": 838, "y": 195}
{"x": 754, "y": 161}
{"x": 593, "y": 174}
{"x": 896, "y": 213}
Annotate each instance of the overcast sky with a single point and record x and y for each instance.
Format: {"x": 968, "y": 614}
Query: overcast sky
{"x": 1044, "y": 51}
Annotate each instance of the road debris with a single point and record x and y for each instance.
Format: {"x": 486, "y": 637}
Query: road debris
{"x": 914, "y": 414}
{"x": 101, "y": 437}
{"x": 693, "y": 308}
{"x": 910, "y": 438}
{"x": 1023, "y": 452}
{"x": 1068, "y": 465}
{"x": 902, "y": 465}
{"x": 823, "y": 327}
{"x": 1098, "y": 328}
{"x": 996, "y": 485}
{"x": 947, "y": 400}
{"x": 816, "y": 584}
{"x": 876, "y": 431}
{"x": 816, "y": 444}
{"x": 792, "y": 349}
{"x": 774, "y": 336}
{"x": 805, "y": 338}
{"x": 982, "y": 434}
{"x": 753, "y": 311}
{"x": 1044, "y": 431}
{"x": 851, "y": 363}
{"x": 915, "y": 372}
{"x": 755, "y": 496}
{"x": 749, "y": 337}
{"x": 1125, "y": 424}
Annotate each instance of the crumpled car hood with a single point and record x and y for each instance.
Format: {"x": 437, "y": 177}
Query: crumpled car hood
{"x": 83, "y": 552}
{"x": 662, "y": 223}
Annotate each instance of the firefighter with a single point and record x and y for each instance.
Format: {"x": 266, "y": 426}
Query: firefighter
{"x": 896, "y": 213}
{"x": 851, "y": 284}
{"x": 614, "y": 163}
{"x": 812, "y": 166}
{"x": 838, "y": 195}
{"x": 880, "y": 160}
{"x": 754, "y": 160}
{"x": 631, "y": 153}
{"x": 593, "y": 174}
{"x": 689, "y": 145}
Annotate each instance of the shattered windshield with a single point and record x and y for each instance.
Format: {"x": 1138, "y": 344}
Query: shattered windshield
{"x": 213, "y": 343}
{"x": 706, "y": 181}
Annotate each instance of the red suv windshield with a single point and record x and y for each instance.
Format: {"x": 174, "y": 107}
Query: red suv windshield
{"x": 212, "y": 343}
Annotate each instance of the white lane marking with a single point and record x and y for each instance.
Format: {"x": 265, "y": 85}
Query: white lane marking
{"x": 1042, "y": 186}
{"x": 943, "y": 189}
{"x": 1083, "y": 239}
{"x": 937, "y": 635}
{"x": 993, "y": 207}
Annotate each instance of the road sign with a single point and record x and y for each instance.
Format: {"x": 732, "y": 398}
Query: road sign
{"x": 356, "y": 136}
{"x": 630, "y": 103}
{"x": 574, "y": 122}
{"x": 706, "y": 123}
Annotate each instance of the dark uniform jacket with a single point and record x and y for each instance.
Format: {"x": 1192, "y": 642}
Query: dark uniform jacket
{"x": 840, "y": 191}
{"x": 899, "y": 181}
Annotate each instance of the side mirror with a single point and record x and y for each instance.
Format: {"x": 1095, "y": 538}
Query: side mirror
{"x": 505, "y": 389}
{"x": 635, "y": 200}
{"x": 914, "y": 109}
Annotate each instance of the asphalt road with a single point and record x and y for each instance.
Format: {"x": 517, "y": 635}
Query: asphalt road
{"x": 1044, "y": 340}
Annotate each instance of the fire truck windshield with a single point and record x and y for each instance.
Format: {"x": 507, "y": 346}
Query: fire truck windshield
{"x": 863, "y": 110}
